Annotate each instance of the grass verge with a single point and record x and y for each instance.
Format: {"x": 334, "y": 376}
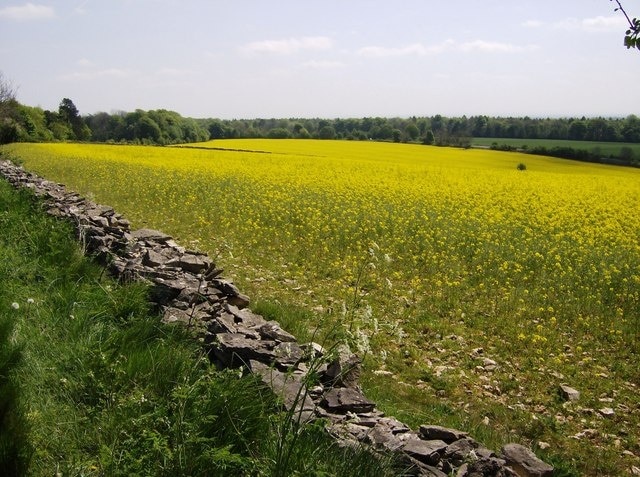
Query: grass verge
{"x": 91, "y": 383}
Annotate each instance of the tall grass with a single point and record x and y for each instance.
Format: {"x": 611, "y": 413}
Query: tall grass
{"x": 15, "y": 451}
{"x": 106, "y": 389}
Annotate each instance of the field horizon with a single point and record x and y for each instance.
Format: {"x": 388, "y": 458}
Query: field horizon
{"x": 471, "y": 286}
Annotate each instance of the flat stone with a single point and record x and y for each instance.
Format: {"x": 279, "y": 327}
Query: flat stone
{"x": 246, "y": 318}
{"x": 568, "y": 393}
{"x": 606, "y": 412}
{"x": 460, "y": 451}
{"x": 390, "y": 424}
{"x": 428, "y": 452}
{"x": 100, "y": 211}
{"x": 165, "y": 290}
{"x": 190, "y": 263}
{"x": 189, "y": 317}
{"x": 447, "y": 435}
{"x": 346, "y": 400}
{"x": 235, "y": 350}
{"x": 150, "y": 235}
{"x": 352, "y": 430}
{"x": 240, "y": 300}
{"x": 153, "y": 259}
{"x": 288, "y": 353}
{"x": 490, "y": 466}
{"x": 524, "y": 462}
{"x": 225, "y": 287}
{"x": 290, "y": 388}
{"x": 378, "y": 436}
{"x": 344, "y": 370}
{"x": 223, "y": 323}
{"x": 272, "y": 330}
{"x": 99, "y": 221}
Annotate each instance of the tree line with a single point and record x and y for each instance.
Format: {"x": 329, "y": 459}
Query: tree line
{"x": 439, "y": 130}
{"x": 22, "y": 123}
{"x": 160, "y": 127}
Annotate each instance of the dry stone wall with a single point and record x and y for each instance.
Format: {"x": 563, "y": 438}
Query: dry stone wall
{"x": 187, "y": 287}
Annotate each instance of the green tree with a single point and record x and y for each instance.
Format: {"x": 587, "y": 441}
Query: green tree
{"x": 429, "y": 138}
{"x": 147, "y": 129}
{"x": 34, "y": 123}
{"x": 69, "y": 114}
{"x": 631, "y": 129}
{"x": 577, "y": 130}
{"x": 412, "y": 131}
{"x": 278, "y": 133}
{"x": 101, "y": 125}
{"x": 479, "y": 126}
{"x": 216, "y": 130}
{"x": 327, "y": 132}
{"x": 384, "y": 132}
{"x": 304, "y": 134}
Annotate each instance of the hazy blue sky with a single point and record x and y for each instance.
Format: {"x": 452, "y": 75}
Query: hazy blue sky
{"x": 329, "y": 58}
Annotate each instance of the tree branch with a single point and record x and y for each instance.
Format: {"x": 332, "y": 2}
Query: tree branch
{"x": 631, "y": 39}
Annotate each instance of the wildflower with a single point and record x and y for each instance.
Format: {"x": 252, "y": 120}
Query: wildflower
{"x": 30, "y": 301}
{"x": 15, "y": 306}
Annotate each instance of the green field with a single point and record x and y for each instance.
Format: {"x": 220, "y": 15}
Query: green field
{"x": 605, "y": 148}
{"x": 471, "y": 288}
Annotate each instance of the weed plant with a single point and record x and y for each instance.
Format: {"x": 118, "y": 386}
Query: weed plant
{"x": 106, "y": 389}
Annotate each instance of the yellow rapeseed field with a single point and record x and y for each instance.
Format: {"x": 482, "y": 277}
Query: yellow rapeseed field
{"x": 472, "y": 288}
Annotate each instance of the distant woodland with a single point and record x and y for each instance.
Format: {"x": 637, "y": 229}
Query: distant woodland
{"x": 20, "y": 123}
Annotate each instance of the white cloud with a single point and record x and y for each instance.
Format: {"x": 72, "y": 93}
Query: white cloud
{"x": 418, "y": 49}
{"x": 595, "y": 24}
{"x": 493, "y": 47}
{"x": 290, "y": 45}
{"x": 28, "y": 11}
{"x": 604, "y": 23}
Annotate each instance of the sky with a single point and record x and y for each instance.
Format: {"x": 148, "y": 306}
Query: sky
{"x": 244, "y": 59}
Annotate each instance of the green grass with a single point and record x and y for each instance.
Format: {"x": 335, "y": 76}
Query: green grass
{"x": 604, "y": 148}
{"x": 91, "y": 383}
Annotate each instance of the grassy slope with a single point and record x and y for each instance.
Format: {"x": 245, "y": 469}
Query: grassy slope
{"x": 108, "y": 390}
